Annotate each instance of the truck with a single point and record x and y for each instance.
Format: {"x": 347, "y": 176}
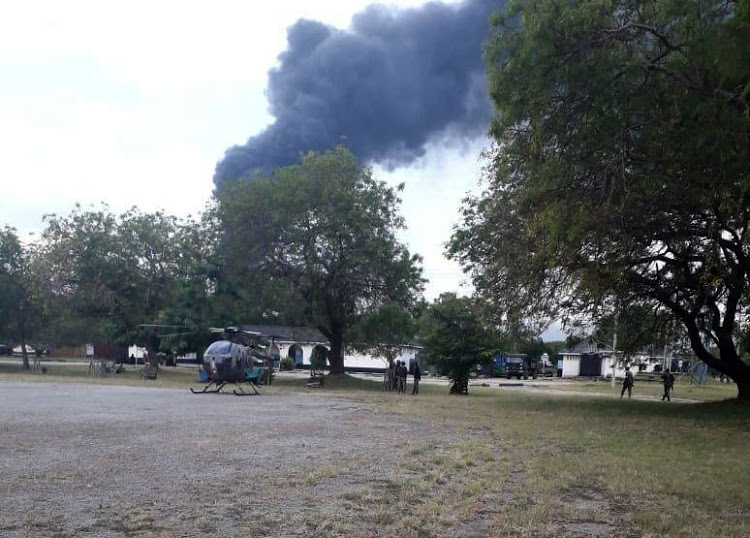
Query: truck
{"x": 506, "y": 365}
{"x": 519, "y": 366}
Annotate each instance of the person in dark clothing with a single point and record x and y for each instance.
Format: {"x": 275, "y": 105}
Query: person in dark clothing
{"x": 402, "y": 376}
{"x": 627, "y": 383}
{"x": 668, "y": 380}
{"x": 417, "y": 377}
{"x": 399, "y": 381}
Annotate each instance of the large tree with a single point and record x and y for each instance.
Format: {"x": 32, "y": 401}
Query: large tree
{"x": 109, "y": 275}
{"x": 456, "y": 338}
{"x": 317, "y": 243}
{"x": 620, "y": 172}
{"x": 20, "y": 311}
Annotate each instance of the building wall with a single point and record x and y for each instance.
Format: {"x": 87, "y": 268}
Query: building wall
{"x": 571, "y": 365}
{"x": 136, "y": 351}
{"x": 632, "y": 362}
{"x": 351, "y": 359}
{"x": 98, "y": 350}
{"x": 69, "y": 352}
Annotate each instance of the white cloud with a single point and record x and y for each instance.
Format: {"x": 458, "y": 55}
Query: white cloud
{"x": 134, "y": 103}
{"x": 434, "y": 188}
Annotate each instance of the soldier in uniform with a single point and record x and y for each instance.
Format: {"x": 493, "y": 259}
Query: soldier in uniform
{"x": 627, "y": 383}
{"x": 401, "y": 373}
{"x": 417, "y": 377}
{"x": 668, "y": 379}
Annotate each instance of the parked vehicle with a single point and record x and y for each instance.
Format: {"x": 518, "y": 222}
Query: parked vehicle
{"x": 520, "y": 366}
{"x": 507, "y": 365}
{"x": 517, "y": 365}
{"x": 545, "y": 368}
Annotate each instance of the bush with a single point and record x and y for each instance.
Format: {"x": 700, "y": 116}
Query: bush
{"x": 287, "y": 363}
{"x": 318, "y": 360}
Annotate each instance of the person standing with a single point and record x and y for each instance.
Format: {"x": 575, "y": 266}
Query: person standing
{"x": 417, "y": 377}
{"x": 403, "y": 372}
{"x": 627, "y": 383}
{"x": 668, "y": 379}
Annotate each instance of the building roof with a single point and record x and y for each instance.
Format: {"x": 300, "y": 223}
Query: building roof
{"x": 587, "y": 346}
{"x": 288, "y": 333}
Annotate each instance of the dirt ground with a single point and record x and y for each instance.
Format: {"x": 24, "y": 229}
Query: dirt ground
{"x": 108, "y": 460}
{"x": 81, "y": 460}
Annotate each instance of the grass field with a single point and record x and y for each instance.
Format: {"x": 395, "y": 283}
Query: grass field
{"x": 537, "y": 465}
{"x": 76, "y": 372}
{"x": 711, "y": 391}
{"x": 524, "y": 464}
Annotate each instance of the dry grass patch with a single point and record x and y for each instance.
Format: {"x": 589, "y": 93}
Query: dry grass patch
{"x": 556, "y": 466}
{"x": 712, "y": 391}
{"x": 491, "y": 464}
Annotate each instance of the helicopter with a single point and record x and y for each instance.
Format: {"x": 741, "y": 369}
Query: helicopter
{"x": 228, "y": 361}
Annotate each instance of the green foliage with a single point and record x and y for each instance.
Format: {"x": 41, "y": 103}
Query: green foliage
{"x": 316, "y": 243}
{"x": 11, "y": 287}
{"x": 286, "y": 364}
{"x": 534, "y": 348}
{"x": 108, "y": 275}
{"x": 318, "y": 360}
{"x": 639, "y": 328}
{"x": 620, "y": 173}
{"x": 384, "y": 332}
{"x": 455, "y": 337}
{"x": 20, "y": 308}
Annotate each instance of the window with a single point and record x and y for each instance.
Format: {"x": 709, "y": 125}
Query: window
{"x": 219, "y": 348}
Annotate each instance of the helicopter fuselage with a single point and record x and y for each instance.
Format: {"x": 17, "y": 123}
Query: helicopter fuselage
{"x": 226, "y": 362}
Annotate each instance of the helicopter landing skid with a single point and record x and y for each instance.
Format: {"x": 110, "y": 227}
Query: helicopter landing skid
{"x": 238, "y": 391}
{"x": 205, "y": 390}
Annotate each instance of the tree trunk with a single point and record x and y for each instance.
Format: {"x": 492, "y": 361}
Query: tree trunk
{"x": 728, "y": 363}
{"x": 336, "y": 356}
{"x": 24, "y": 354}
{"x": 153, "y": 356}
{"x": 388, "y": 381}
{"x": 743, "y": 391}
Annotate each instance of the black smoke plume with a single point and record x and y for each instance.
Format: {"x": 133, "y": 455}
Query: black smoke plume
{"x": 386, "y": 86}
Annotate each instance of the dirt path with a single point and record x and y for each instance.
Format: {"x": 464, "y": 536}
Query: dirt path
{"x": 82, "y": 460}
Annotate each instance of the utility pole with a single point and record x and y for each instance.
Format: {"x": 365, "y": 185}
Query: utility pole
{"x": 614, "y": 354}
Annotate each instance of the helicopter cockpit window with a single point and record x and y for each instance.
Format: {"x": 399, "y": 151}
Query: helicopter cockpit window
{"x": 219, "y": 348}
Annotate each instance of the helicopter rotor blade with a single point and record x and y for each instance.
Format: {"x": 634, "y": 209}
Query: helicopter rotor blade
{"x": 177, "y": 334}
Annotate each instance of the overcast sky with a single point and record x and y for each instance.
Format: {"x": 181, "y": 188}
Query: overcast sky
{"x": 133, "y": 104}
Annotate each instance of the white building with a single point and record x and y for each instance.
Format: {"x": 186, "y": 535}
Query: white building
{"x": 587, "y": 359}
{"x": 298, "y": 344}
{"x": 594, "y": 359}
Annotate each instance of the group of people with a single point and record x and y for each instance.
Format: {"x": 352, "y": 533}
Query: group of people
{"x": 667, "y": 379}
{"x": 396, "y": 377}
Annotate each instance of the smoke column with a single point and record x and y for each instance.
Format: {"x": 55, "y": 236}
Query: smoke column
{"x": 386, "y": 86}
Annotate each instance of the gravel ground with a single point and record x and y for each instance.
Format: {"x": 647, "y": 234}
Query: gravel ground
{"x": 82, "y": 460}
